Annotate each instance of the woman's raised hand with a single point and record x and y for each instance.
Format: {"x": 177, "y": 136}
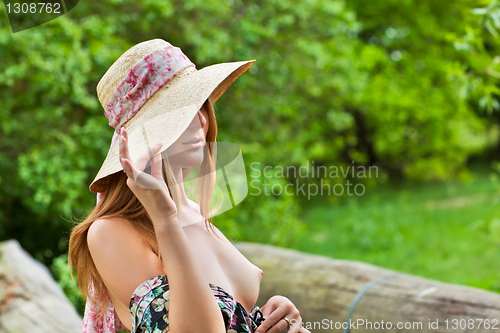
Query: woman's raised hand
{"x": 275, "y": 311}
{"x": 150, "y": 189}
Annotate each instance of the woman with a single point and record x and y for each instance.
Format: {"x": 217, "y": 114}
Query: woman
{"x": 145, "y": 229}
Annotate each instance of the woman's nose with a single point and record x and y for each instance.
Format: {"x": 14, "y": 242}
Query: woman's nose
{"x": 198, "y": 121}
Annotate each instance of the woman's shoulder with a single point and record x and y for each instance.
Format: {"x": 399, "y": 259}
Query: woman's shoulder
{"x": 115, "y": 234}
{"x": 122, "y": 257}
{"x": 111, "y": 222}
{"x": 104, "y": 228}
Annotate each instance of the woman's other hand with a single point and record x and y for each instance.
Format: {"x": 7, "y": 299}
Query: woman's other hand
{"x": 150, "y": 189}
{"x": 275, "y": 310}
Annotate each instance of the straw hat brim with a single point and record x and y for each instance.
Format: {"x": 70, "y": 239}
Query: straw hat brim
{"x": 168, "y": 113}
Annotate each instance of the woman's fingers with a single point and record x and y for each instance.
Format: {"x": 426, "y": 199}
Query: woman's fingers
{"x": 142, "y": 161}
{"x": 154, "y": 178}
{"x": 141, "y": 178}
{"x": 273, "y": 322}
{"x": 124, "y": 156}
{"x": 147, "y": 157}
{"x": 128, "y": 167}
{"x": 150, "y": 155}
{"x": 122, "y": 140}
{"x": 283, "y": 324}
{"x": 295, "y": 324}
{"x": 278, "y": 327}
{"x": 156, "y": 165}
{"x": 275, "y": 311}
{"x": 156, "y": 203}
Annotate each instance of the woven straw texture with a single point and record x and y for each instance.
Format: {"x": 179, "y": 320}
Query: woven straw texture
{"x": 169, "y": 111}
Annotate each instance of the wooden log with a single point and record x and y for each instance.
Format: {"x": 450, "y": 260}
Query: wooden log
{"x": 30, "y": 300}
{"x": 325, "y": 290}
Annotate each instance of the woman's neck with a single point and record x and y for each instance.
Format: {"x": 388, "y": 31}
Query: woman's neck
{"x": 179, "y": 179}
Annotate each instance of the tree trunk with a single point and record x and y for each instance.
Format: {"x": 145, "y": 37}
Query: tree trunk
{"x": 30, "y": 300}
{"x": 328, "y": 292}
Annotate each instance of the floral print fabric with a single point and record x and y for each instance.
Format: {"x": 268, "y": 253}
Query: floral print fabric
{"x": 149, "y": 309}
{"x": 109, "y": 323}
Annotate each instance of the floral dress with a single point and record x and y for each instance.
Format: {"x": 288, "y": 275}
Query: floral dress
{"x": 149, "y": 309}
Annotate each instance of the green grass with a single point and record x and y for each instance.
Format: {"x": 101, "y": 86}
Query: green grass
{"x": 448, "y": 232}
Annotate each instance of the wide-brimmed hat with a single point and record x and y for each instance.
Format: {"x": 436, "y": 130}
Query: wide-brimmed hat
{"x": 154, "y": 91}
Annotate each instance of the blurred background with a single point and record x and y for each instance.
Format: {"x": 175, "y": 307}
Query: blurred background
{"x": 409, "y": 88}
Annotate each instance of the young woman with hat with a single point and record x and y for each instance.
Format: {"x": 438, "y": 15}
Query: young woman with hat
{"x": 145, "y": 229}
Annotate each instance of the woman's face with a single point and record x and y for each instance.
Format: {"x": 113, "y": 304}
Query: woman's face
{"x": 187, "y": 151}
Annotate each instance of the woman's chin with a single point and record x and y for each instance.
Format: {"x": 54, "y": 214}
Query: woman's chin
{"x": 188, "y": 159}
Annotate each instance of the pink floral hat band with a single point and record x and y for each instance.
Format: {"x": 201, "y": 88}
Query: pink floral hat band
{"x": 141, "y": 82}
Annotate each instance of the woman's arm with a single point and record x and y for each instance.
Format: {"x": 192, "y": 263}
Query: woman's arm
{"x": 192, "y": 305}
{"x": 125, "y": 260}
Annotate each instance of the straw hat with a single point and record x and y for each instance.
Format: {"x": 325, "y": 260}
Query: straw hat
{"x": 154, "y": 91}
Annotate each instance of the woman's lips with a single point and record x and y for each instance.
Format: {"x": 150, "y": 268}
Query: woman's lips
{"x": 194, "y": 143}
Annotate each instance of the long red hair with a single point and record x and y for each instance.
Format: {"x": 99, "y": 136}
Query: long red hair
{"x": 119, "y": 201}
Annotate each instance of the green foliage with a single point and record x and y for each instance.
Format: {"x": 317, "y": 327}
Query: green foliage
{"x": 478, "y": 45}
{"x": 418, "y": 119}
{"x": 60, "y": 271}
{"x": 52, "y": 139}
{"x": 426, "y": 230}
{"x": 400, "y": 86}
